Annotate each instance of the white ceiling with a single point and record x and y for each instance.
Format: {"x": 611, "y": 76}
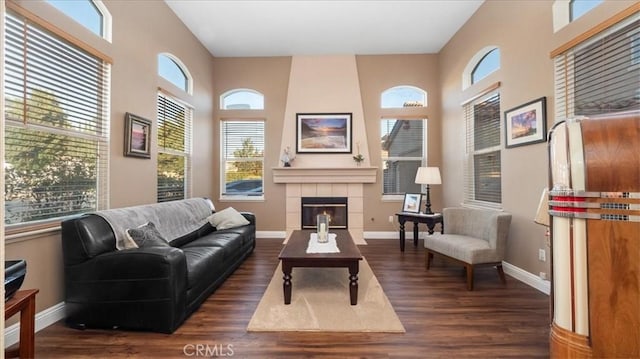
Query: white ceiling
{"x": 246, "y": 28}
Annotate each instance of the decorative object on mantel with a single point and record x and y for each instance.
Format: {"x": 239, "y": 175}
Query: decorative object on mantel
{"x": 428, "y": 176}
{"x": 359, "y": 157}
{"x": 287, "y": 157}
{"x": 323, "y": 133}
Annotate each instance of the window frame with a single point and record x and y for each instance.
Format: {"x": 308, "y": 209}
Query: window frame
{"x": 223, "y": 160}
{"x": 473, "y": 64}
{"x": 572, "y": 10}
{"x": 188, "y": 142}
{"x": 470, "y": 179}
{"x": 106, "y": 20}
{"x": 226, "y": 94}
{"x": 101, "y": 135}
{"x": 188, "y": 85}
{"x": 401, "y": 87}
{"x": 423, "y": 159}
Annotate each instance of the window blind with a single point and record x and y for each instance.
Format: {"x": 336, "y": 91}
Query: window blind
{"x": 174, "y": 149}
{"x": 483, "y": 172}
{"x": 402, "y": 154}
{"x": 243, "y": 157}
{"x": 56, "y": 126}
{"x": 601, "y": 74}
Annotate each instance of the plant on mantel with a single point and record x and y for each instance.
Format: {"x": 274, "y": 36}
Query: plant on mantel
{"x": 359, "y": 157}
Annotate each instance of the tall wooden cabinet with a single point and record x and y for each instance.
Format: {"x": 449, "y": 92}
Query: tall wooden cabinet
{"x": 594, "y": 203}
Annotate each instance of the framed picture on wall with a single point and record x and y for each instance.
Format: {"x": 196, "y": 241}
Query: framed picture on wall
{"x": 323, "y": 133}
{"x": 411, "y": 202}
{"x": 137, "y": 136}
{"x": 526, "y": 124}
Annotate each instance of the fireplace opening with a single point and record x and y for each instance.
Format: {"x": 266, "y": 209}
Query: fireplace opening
{"x": 335, "y": 207}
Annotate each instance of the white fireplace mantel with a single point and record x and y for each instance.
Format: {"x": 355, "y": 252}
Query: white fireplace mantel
{"x": 324, "y": 175}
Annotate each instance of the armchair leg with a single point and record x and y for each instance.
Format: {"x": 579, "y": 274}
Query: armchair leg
{"x": 469, "y": 276}
{"x": 503, "y": 279}
{"x": 429, "y": 258}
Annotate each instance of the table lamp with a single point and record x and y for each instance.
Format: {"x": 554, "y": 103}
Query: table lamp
{"x": 428, "y": 176}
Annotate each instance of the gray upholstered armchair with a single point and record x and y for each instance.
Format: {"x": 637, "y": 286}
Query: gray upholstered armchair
{"x": 472, "y": 237}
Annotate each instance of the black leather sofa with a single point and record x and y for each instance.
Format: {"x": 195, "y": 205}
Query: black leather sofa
{"x": 149, "y": 288}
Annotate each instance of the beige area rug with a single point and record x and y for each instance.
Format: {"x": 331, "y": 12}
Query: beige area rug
{"x": 320, "y": 302}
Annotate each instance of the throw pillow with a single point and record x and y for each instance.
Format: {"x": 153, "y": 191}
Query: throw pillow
{"x": 146, "y": 235}
{"x": 227, "y": 218}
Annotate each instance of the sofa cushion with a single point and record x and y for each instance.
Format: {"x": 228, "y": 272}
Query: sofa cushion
{"x": 200, "y": 232}
{"x": 467, "y": 249}
{"x": 227, "y": 218}
{"x": 146, "y": 235}
{"x": 204, "y": 264}
{"x": 230, "y": 243}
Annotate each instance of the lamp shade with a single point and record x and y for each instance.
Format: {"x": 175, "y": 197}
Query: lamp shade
{"x": 428, "y": 175}
{"x": 542, "y": 213}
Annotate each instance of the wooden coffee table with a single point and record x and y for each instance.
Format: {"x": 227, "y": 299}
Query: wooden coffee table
{"x": 294, "y": 254}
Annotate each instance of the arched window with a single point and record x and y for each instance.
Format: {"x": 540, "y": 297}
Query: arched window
{"x": 488, "y": 64}
{"x": 91, "y": 14}
{"x": 172, "y": 70}
{"x": 578, "y": 8}
{"x": 403, "y": 96}
{"x": 483, "y": 63}
{"x": 242, "y": 99}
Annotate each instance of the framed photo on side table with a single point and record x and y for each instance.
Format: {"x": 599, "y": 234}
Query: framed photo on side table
{"x": 526, "y": 124}
{"x": 137, "y": 136}
{"x": 412, "y": 202}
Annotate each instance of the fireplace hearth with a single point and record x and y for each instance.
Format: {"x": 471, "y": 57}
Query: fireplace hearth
{"x": 335, "y": 207}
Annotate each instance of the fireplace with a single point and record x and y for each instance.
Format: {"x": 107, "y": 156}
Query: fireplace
{"x": 335, "y": 207}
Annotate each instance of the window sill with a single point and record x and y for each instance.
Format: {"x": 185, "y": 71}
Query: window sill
{"x": 27, "y": 234}
{"x": 392, "y": 197}
{"x": 241, "y": 198}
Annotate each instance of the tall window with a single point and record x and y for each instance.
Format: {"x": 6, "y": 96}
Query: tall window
{"x": 601, "y": 75}
{"x": 174, "y": 149}
{"x": 171, "y": 69}
{"x": 402, "y": 154}
{"x": 91, "y": 14}
{"x": 56, "y": 126}
{"x": 483, "y": 171}
{"x": 488, "y": 64}
{"x": 242, "y": 99}
{"x": 242, "y": 168}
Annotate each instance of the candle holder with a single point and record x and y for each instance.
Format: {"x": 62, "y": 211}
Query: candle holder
{"x": 323, "y": 228}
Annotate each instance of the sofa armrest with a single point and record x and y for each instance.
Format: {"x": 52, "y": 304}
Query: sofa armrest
{"x": 250, "y": 217}
{"x": 118, "y": 275}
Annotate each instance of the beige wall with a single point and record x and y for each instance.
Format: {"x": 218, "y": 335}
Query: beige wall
{"x": 523, "y": 31}
{"x": 270, "y": 76}
{"x": 141, "y": 30}
{"x": 378, "y": 73}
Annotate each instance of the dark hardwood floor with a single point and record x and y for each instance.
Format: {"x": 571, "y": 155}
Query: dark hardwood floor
{"x": 442, "y": 319}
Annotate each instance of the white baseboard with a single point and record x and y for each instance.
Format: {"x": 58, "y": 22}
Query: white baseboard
{"x": 271, "y": 234}
{"x": 527, "y": 278}
{"x": 382, "y": 235}
{"x": 43, "y": 319}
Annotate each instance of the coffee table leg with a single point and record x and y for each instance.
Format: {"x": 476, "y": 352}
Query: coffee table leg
{"x": 353, "y": 283}
{"x": 286, "y": 285}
